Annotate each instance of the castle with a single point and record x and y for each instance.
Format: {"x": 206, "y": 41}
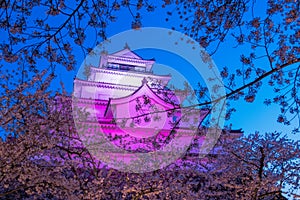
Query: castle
{"x": 134, "y": 108}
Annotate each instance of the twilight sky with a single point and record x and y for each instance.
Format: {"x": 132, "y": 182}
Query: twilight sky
{"x": 250, "y": 117}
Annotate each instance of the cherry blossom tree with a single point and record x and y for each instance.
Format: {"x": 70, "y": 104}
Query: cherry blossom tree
{"x": 268, "y": 42}
{"x": 256, "y": 167}
{"x": 41, "y": 156}
{"x": 33, "y": 37}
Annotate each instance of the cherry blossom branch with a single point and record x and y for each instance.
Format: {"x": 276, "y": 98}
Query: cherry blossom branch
{"x": 236, "y": 91}
{"x": 62, "y": 26}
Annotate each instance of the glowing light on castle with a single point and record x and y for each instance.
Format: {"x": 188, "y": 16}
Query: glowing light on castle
{"x": 131, "y": 112}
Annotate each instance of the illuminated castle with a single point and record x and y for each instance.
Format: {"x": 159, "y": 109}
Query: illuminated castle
{"x": 132, "y": 106}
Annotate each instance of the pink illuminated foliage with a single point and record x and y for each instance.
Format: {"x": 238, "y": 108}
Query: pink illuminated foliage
{"x": 47, "y": 160}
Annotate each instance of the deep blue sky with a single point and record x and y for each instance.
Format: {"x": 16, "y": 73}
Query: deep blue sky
{"x": 250, "y": 117}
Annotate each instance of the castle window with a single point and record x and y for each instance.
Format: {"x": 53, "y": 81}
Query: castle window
{"x": 112, "y": 66}
{"x": 124, "y": 67}
{"x": 139, "y": 69}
